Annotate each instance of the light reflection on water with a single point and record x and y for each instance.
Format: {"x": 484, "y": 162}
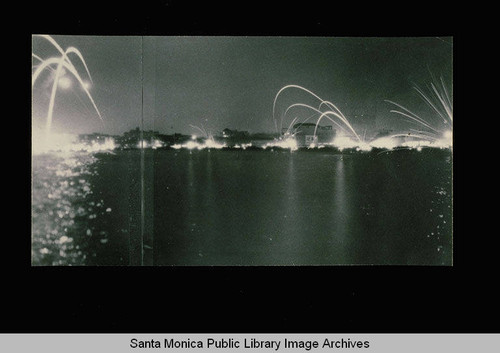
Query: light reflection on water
{"x": 216, "y": 207}
{"x": 282, "y": 208}
{"x": 65, "y": 210}
{"x": 59, "y": 187}
{"x": 340, "y": 216}
{"x": 291, "y": 213}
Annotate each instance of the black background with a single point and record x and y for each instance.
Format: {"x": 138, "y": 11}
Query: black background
{"x": 330, "y": 299}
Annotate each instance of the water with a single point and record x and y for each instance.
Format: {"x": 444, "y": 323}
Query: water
{"x": 251, "y": 207}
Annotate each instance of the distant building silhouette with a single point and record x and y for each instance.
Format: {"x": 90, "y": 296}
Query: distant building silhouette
{"x": 94, "y": 137}
{"x": 304, "y": 134}
{"x": 228, "y": 133}
{"x": 131, "y": 139}
{"x": 232, "y": 137}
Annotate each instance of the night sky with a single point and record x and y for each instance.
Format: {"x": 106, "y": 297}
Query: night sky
{"x": 219, "y": 82}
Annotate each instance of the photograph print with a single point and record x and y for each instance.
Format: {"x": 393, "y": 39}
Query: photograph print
{"x": 241, "y": 151}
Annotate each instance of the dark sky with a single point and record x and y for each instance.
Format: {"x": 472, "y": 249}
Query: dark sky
{"x": 221, "y": 82}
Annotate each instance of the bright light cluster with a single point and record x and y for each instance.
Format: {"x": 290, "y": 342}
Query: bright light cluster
{"x": 243, "y": 146}
{"x": 416, "y": 141}
{"x": 343, "y": 142}
{"x": 154, "y": 144}
{"x": 190, "y": 145}
{"x": 45, "y": 143}
{"x": 289, "y": 143}
{"x": 386, "y": 142}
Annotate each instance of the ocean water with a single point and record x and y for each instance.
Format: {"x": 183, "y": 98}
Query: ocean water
{"x": 243, "y": 207}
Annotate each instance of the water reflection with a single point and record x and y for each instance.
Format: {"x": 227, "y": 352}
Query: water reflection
{"x": 65, "y": 210}
{"x": 340, "y": 215}
{"x": 288, "y": 240}
{"x": 282, "y": 208}
{"x": 244, "y": 208}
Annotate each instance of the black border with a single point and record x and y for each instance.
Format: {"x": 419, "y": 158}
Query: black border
{"x": 362, "y": 299}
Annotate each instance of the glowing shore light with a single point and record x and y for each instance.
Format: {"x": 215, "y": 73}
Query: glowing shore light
{"x": 447, "y": 138}
{"x": 210, "y": 143}
{"x": 342, "y": 142}
{"x": 191, "y": 145}
{"x": 418, "y": 144}
{"x": 363, "y": 146}
{"x": 43, "y": 143}
{"x": 386, "y": 142}
{"x": 142, "y": 144}
{"x": 289, "y": 143}
{"x": 157, "y": 144}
